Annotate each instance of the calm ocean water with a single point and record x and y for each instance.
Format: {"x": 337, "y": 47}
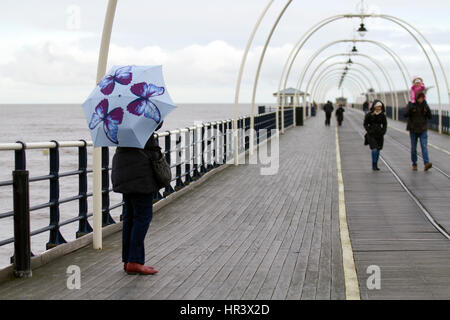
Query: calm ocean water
{"x": 38, "y": 123}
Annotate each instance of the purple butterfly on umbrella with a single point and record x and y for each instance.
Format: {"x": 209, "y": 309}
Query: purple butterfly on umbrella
{"x": 111, "y": 120}
{"x": 122, "y": 76}
{"x": 143, "y": 105}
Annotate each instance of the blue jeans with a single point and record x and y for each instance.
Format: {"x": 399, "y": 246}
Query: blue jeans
{"x": 423, "y": 144}
{"x": 137, "y": 215}
{"x": 375, "y": 155}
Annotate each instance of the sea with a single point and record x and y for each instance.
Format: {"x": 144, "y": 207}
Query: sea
{"x": 66, "y": 122}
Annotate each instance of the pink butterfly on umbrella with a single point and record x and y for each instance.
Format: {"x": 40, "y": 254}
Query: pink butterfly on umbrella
{"x": 143, "y": 105}
{"x": 122, "y": 76}
{"x": 111, "y": 120}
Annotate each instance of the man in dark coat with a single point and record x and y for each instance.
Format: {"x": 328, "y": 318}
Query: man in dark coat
{"x": 134, "y": 177}
{"x": 328, "y": 108}
{"x": 340, "y": 114}
{"x": 375, "y": 123}
{"x": 366, "y": 106}
{"x": 418, "y": 114}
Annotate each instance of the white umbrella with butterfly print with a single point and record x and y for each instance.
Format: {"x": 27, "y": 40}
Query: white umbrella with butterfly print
{"x": 127, "y": 105}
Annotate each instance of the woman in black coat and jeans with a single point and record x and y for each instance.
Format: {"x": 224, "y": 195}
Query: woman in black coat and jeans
{"x": 133, "y": 175}
{"x": 375, "y": 124}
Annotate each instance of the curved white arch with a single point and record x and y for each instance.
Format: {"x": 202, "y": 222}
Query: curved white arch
{"x": 386, "y": 75}
{"x": 362, "y": 65}
{"x": 385, "y": 48}
{"x": 238, "y": 84}
{"x": 359, "y": 75}
{"x": 327, "y": 77}
{"x": 255, "y": 84}
{"x": 326, "y": 21}
{"x": 329, "y": 82}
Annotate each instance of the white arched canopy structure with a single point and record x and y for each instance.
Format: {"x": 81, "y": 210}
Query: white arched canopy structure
{"x": 297, "y": 48}
{"x": 395, "y": 57}
{"x": 383, "y": 71}
{"x": 355, "y": 73}
{"x": 330, "y": 81}
{"x": 335, "y": 76}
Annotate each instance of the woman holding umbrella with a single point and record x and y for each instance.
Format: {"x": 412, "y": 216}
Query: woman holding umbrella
{"x": 375, "y": 124}
{"x": 135, "y": 174}
{"x": 123, "y": 111}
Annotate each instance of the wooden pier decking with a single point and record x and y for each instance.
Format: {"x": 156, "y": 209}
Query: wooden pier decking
{"x": 243, "y": 235}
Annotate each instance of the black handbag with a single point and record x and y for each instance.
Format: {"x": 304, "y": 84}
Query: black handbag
{"x": 161, "y": 168}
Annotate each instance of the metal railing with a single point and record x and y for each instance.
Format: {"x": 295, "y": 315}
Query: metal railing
{"x": 191, "y": 152}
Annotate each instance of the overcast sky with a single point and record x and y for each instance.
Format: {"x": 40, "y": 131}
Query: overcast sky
{"x": 49, "y": 48}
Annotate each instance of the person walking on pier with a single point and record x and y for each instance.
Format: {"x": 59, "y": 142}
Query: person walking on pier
{"x": 328, "y": 108}
{"x": 375, "y": 124}
{"x": 366, "y": 107}
{"x": 135, "y": 174}
{"x": 418, "y": 114}
{"x": 340, "y": 114}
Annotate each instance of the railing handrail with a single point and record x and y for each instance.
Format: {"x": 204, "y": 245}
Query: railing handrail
{"x": 215, "y": 148}
{"x": 89, "y": 143}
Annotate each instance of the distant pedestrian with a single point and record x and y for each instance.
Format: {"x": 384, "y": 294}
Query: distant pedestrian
{"x": 375, "y": 124}
{"x": 328, "y": 108}
{"x": 366, "y": 107}
{"x": 340, "y": 114}
{"x": 418, "y": 114}
{"x": 417, "y": 86}
{"x": 137, "y": 174}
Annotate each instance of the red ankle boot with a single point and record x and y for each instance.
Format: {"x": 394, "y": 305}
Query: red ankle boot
{"x": 136, "y": 268}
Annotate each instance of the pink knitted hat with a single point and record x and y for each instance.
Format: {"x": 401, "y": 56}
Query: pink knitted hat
{"x": 417, "y": 78}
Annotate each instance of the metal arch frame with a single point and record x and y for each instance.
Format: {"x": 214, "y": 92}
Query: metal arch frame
{"x": 320, "y": 85}
{"x": 392, "y": 54}
{"x": 382, "y": 46}
{"x": 329, "y": 83}
{"x": 353, "y": 74}
{"x": 238, "y": 84}
{"x": 323, "y": 71}
{"x": 316, "y": 54}
{"x": 400, "y": 22}
{"x": 360, "y": 64}
{"x": 386, "y": 75}
{"x": 330, "y": 75}
{"x": 305, "y": 37}
{"x": 326, "y": 77}
{"x": 326, "y": 21}
{"x": 374, "y": 76}
{"x": 328, "y": 86}
{"x": 255, "y": 85}
{"x": 329, "y": 71}
{"x": 357, "y": 75}
{"x": 399, "y": 61}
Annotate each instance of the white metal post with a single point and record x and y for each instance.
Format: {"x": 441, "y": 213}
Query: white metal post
{"x": 255, "y": 85}
{"x": 97, "y": 157}
{"x": 238, "y": 84}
